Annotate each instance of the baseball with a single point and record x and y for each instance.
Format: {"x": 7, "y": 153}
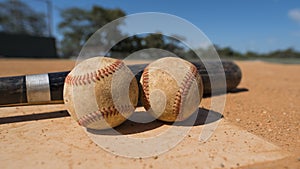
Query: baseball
{"x": 171, "y": 89}
{"x": 100, "y": 93}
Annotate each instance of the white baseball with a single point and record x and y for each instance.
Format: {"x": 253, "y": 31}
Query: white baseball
{"x": 100, "y": 93}
{"x": 172, "y": 89}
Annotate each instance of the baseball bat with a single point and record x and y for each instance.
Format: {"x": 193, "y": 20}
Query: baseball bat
{"x": 48, "y": 88}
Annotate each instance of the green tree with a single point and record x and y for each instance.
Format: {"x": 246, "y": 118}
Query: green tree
{"x": 79, "y": 24}
{"x": 18, "y": 17}
{"x": 251, "y": 54}
{"x": 145, "y": 41}
{"x": 129, "y": 45}
{"x": 288, "y": 53}
{"x": 226, "y": 52}
{"x": 154, "y": 41}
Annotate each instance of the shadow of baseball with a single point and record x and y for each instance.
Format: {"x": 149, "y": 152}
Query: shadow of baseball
{"x": 201, "y": 117}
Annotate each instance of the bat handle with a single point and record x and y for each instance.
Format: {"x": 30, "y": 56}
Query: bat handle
{"x": 32, "y": 89}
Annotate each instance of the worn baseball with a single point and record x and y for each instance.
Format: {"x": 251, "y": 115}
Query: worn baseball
{"x": 100, "y": 93}
{"x": 171, "y": 89}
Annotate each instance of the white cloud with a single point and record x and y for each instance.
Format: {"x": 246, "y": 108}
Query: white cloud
{"x": 295, "y": 14}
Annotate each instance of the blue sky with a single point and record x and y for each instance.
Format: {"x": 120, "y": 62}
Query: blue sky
{"x": 256, "y": 25}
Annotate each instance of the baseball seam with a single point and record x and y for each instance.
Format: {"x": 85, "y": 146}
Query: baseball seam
{"x": 183, "y": 91}
{"x": 105, "y": 113}
{"x": 94, "y": 76}
{"x": 145, "y": 84}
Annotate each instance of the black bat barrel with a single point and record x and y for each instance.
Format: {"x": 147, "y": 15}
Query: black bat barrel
{"x": 23, "y": 90}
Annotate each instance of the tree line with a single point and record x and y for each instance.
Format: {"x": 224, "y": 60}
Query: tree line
{"x": 79, "y": 24}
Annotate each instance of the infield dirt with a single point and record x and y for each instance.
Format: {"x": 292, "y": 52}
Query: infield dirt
{"x": 260, "y": 127}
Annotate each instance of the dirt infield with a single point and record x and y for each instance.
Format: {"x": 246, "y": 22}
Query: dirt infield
{"x": 260, "y": 127}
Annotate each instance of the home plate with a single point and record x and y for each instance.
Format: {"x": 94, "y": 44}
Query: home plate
{"x": 229, "y": 146}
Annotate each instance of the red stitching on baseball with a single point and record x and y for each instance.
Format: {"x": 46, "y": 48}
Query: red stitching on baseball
{"x": 105, "y": 113}
{"x": 183, "y": 91}
{"x": 94, "y": 76}
{"x": 145, "y": 84}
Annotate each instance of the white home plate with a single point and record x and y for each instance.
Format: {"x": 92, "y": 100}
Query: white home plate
{"x": 229, "y": 146}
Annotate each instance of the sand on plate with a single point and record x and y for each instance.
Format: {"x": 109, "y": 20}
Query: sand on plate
{"x": 260, "y": 127}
